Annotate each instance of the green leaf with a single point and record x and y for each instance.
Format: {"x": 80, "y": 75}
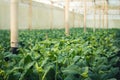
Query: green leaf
{"x": 72, "y": 69}
{"x": 26, "y": 70}
{"x": 85, "y": 73}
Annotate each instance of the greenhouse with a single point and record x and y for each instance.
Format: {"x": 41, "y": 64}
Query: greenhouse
{"x": 59, "y": 39}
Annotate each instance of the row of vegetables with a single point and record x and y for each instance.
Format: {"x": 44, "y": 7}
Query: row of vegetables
{"x": 50, "y": 55}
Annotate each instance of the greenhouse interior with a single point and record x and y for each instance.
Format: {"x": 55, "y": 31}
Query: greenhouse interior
{"x": 59, "y": 39}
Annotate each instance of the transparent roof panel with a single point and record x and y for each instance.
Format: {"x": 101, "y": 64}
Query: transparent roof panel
{"x": 78, "y": 5}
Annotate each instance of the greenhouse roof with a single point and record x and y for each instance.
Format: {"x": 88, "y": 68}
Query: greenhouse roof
{"x": 78, "y": 5}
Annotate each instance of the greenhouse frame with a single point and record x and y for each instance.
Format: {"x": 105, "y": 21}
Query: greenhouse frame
{"x": 59, "y": 39}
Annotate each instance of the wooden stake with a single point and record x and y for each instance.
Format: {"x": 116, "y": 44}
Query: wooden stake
{"x": 14, "y": 25}
{"x": 30, "y": 15}
{"x": 67, "y": 18}
{"x": 84, "y": 15}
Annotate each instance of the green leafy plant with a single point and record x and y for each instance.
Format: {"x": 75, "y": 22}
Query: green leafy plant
{"x": 50, "y": 55}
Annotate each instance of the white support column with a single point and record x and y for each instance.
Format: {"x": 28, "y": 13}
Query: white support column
{"x": 103, "y": 14}
{"x": 106, "y": 14}
{"x": 67, "y": 17}
{"x": 14, "y": 25}
{"x": 30, "y": 15}
{"x": 73, "y": 18}
{"x": 99, "y": 19}
{"x": 84, "y": 15}
{"x": 94, "y": 27}
{"x": 79, "y": 21}
{"x": 51, "y": 16}
{"x": 64, "y": 15}
{"x": 80, "y": 15}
